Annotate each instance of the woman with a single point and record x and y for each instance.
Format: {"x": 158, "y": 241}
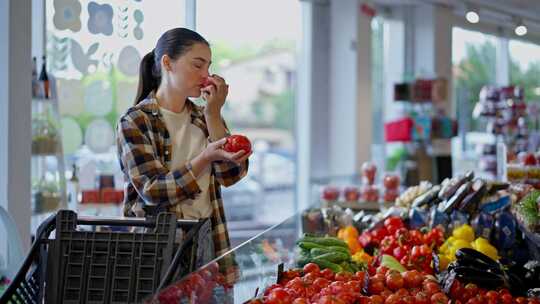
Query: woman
{"x": 170, "y": 149}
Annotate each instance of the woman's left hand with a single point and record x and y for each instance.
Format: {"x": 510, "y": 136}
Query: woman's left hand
{"x": 215, "y": 94}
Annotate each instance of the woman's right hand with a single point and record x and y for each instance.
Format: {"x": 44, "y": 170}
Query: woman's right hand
{"x": 214, "y": 152}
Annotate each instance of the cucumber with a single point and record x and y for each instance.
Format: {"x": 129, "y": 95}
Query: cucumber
{"x": 334, "y": 257}
{"x": 322, "y": 250}
{"x": 326, "y": 264}
{"x": 319, "y": 251}
{"x": 324, "y": 241}
{"x": 339, "y": 248}
{"x": 309, "y": 245}
{"x": 303, "y": 259}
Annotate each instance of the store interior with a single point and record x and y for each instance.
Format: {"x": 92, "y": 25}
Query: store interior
{"x": 357, "y": 111}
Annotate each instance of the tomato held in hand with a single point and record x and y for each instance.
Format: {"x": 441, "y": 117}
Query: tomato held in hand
{"x": 206, "y": 82}
{"x": 236, "y": 143}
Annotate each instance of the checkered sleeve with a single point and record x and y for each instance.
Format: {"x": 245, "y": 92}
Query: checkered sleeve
{"x": 154, "y": 183}
{"x": 228, "y": 173}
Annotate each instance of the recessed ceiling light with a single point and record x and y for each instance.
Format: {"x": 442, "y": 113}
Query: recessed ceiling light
{"x": 472, "y": 16}
{"x": 521, "y": 30}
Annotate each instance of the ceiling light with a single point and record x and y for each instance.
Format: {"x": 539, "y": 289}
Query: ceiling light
{"x": 472, "y": 16}
{"x": 521, "y": 29}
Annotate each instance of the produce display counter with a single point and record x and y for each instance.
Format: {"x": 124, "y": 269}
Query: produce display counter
{"x": 467, "y": 240}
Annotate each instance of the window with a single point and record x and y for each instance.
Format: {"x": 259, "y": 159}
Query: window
{"x": 94, "y": 50}
{"x": 256, "y": 53}
{"x": 525, "y": 68}
{"x": 474, "y": 66}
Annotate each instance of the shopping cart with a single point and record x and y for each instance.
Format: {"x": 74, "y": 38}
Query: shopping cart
{"x": 85, "y": 264}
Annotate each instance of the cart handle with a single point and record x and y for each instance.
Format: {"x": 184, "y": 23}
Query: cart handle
{"x": 129, "y": 221}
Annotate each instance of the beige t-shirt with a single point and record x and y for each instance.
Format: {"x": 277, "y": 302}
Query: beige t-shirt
{"x": 188, "y": 141}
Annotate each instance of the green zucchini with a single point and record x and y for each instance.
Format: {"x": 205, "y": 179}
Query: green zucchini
{"x": 309, "y": 245}
{"x": 325, "y": 241}
{"x": 334, "y": 257}
{"x": 326, "y": 264}
{"x": 319, "y": 251}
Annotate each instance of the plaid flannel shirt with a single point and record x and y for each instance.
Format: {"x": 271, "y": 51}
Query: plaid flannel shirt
{"x": 145, "y": 153}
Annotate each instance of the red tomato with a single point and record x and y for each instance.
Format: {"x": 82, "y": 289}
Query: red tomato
{"x": 394, "y": 281}
{"x": 310, "y": 277}
{"x": 386, "y": 293}
{"x": 292, "y": 273}
{"x": 520, "y": 300}
{"x": 337, "y": 287}
{"x": 413, "y": 278}
{"x": 343, "y": 276}
{"x": 311, "y": 267}
{"x": 348, "y": 296}
{"x": 402, "y": 292}
{"x": 330, "y": 300}
{"x": 431, "y": 288}
{"x": 393, "y": 299}
{"x": 439, "y": 298}
{"x": 279, "y": 296}
{"x": 375, "y": 287}
{"x": 236, "y": 143}
{"x": 311, "y": 291}
{"x": 408, "y": 300}
{"x": 300, "y": 301}
{"x": 206, "y": 82}
{"x": 506, "y": 298}
{"x": 456, "y": 290}
{"x": 421, "y": 298}
{"x": 270, "y": 288}
{"x": 471, "y": 290}
{"x": 360, "y": 276}
{"x": 297, "y": 291}
{"x": 327, "y": 273}
{"x": 492, "y": 295}
{"x": 321, "y": 283}
{"x": 376, "y": 299}
{"x": 354, "y": 285}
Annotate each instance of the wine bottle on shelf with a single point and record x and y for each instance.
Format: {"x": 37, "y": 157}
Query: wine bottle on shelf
{"x": 44, "y": 79}
{"x": 73, "y": 189}
{"x": 35, "y": 82}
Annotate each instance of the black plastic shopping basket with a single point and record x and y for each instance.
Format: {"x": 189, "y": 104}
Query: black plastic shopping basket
{"x": 82, "y": 264}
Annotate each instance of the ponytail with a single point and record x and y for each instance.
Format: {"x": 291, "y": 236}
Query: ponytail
{"x": 149, "y": 79}
{"x": 173, "y": 43}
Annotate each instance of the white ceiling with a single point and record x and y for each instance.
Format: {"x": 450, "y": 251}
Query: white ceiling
{"x": 529, "y": 9}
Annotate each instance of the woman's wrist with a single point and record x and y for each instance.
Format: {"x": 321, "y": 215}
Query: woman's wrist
{"x": 212, "y": 112}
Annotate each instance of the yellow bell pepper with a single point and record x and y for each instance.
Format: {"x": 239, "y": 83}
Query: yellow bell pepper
{"x": 444, "y": 260}
{"x": 362, "y": 257}
{"x": 464, "y": 232}
{"x": 483, "y": 246}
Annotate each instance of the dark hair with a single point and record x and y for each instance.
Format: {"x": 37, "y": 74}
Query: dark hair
{"x": 174, "y": 43}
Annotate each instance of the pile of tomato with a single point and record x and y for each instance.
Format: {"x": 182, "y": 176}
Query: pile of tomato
{"x": 412, "y": 248}
{"x": 313, "y": 285}
{"x": 472, "y": 294}
{"x": 378, "y": 286}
